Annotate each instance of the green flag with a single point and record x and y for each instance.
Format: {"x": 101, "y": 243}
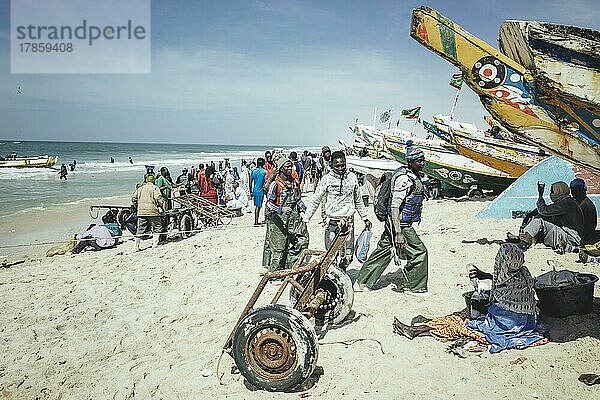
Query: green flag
{"x": 456, "y": 81}
{"x": 411, "y": 113}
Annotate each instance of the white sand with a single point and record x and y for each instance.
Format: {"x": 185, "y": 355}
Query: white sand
{"x": 122, "y": 325}
{"x": 52, "y": 224}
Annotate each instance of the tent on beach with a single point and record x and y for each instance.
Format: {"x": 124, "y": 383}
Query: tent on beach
{"x": 522, "y": 194}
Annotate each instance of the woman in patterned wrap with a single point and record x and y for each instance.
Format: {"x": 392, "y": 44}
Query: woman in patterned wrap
{"x": 511, "y": 321}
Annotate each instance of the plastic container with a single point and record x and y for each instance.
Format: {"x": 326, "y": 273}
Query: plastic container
{"x": 575, "y": 299}
{"x": 472, "y": 304}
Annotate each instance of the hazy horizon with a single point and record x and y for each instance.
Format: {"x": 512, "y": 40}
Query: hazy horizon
{"x": 272, "y": 72}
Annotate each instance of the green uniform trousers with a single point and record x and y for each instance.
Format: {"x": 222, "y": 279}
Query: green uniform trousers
{"x": 415, "y": 252}
{"x": 266, "y": 256}
{"x": 280, "y": 246}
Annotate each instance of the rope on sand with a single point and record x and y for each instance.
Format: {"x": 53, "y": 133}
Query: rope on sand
{"x": 350, "y": 342}
{"x": 128, "y": 237}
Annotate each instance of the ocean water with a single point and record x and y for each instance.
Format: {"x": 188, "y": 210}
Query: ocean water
{"x": 95, "y": 179}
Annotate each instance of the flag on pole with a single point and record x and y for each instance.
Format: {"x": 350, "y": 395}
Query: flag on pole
{"x": 385, "y": 116}
{"x": 411, "y": 113}
{"x": 456, "y": 81}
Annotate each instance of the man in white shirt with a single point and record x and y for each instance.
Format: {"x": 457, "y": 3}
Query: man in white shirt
{"x": 341, "y": 192}
{"x": 238, "y": 198}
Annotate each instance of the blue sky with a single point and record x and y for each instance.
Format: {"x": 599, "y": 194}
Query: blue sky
{"x": 263, "y": 72}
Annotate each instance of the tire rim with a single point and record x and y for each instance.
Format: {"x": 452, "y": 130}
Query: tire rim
{"x": 271, "y": 352}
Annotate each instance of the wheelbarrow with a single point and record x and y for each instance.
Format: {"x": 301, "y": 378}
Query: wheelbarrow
{"x": 275, "y": 346}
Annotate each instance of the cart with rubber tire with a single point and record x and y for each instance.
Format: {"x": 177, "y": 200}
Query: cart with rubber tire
{"x": 115, "y": 214}
{"x": 275, "y": 346}
{"x": 180, "y": 222}
{"x": 205, "y": 213}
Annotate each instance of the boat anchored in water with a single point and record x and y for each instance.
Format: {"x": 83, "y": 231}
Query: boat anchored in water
{"x": 12, "y": 160}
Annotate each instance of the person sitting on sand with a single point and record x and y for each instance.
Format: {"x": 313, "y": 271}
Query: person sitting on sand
{"x": 238, "y": 199}
{"x": 590, "y": 216}
{"x": 511, "y": 321}
{"x": 96, "y": 236}
{"x": 558, "y": 225}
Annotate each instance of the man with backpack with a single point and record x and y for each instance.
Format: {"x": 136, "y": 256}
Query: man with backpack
{"x": 402, "y": 199}
{"x": 341, "y": 192}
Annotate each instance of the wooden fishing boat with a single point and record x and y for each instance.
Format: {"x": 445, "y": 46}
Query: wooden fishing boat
{"x": 14, "y": 161}
{"x": 551, "y": 101}
{"x": 504, "y": 155}
{"x": 372, "y": 166}
{"x": 453, "y": 168}
{"x": 375, "y": 138}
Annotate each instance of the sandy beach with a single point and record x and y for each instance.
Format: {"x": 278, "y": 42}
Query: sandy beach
{"x": 48, "y": 225}
{"x": 117, "y": 324}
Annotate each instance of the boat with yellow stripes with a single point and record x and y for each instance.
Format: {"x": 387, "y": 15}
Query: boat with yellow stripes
{"x": 14, "y": 161}
{"x": 544, "y": 84}
{"x": 504, "y": 155}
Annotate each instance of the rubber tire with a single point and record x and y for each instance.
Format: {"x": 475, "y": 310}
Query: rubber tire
{"x": 342, "y": 287}
{"x": 186, "y": 224}
{"x": 122, "y": 216}
{"x": 303, "y": 334}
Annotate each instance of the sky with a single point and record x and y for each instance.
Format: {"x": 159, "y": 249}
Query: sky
{"x": 281, "y": 72}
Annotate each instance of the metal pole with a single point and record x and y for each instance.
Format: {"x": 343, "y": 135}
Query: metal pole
{"x": 454, "y": 104}
{"x": 374, "y": 117}
{"x": 412, "y": 132}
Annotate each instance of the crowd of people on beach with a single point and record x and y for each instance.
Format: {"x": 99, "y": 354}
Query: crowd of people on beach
{"x": 280, "y": 185}
{"x": 511, "y": 320}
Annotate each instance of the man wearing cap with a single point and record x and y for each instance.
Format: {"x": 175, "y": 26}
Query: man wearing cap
{"x": 399, "y": 236}
{"x": 183, "y": 181}
{"x": 342, "y": 195}
{"x": 150, "y": 203}
{"x": 590, "y": 216}
{"x": 283, "y": 207}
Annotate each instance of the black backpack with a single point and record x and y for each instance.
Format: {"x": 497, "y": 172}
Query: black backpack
{"x": 383, "y": 199}
{"x": 384, "y": 196}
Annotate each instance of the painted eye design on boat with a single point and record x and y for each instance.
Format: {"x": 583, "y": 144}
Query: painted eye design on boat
{"x": 489, "y": 72}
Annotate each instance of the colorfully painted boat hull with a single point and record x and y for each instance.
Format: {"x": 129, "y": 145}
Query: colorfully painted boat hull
{"x": 501, "y": 154}
{"x": 455, "y": 169}
{"x": 512, "y": 158}
{"x": 523, "y": 101}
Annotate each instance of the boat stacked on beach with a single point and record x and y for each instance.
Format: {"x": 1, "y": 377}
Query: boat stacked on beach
{"x": 14, "y": 161}
{"x": 542, "y": 90}
{"x": 444, "y": 163}
{"x": 543, "y": 85}
{"x": 501, "y": 154}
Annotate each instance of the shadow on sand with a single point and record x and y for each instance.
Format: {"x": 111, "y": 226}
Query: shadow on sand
{"x": 574, "y": 327}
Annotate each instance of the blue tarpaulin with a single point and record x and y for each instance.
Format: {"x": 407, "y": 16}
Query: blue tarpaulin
{"x": 522, "y": 194}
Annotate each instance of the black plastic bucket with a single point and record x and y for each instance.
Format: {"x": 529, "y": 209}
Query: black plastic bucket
{"x": 481, "y": 306}
{"x": 563, "y": 301}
